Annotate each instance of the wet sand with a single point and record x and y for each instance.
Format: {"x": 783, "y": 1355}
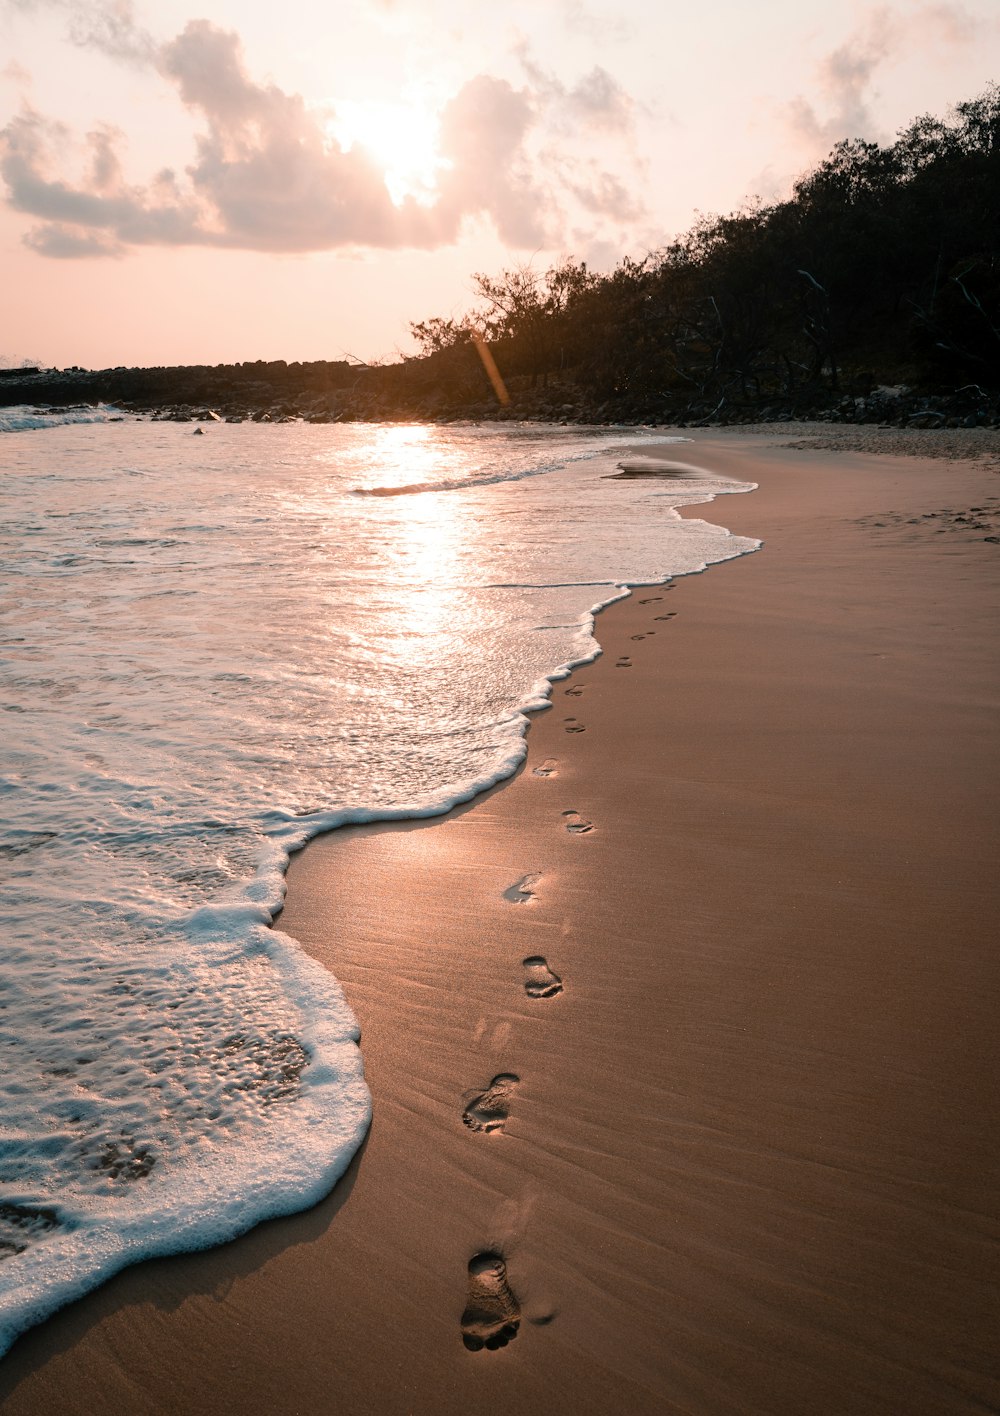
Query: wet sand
{"x": 742, "y": 1157}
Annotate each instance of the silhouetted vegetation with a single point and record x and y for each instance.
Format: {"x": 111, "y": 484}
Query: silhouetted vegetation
{"x": 881, "y": 269}
{"x": 251, "y": 385}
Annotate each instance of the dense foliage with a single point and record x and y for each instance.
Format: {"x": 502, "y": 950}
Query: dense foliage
{"x": 883, "y": 265}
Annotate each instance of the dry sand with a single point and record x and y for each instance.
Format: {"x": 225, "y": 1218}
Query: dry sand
{"x": 749, "y": 1162}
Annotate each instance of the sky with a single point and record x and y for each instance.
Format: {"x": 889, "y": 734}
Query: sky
{"x": 211, "y": 181}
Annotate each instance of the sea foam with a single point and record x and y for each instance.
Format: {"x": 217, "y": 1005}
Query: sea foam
{"x": 22, "y": 417}
{"x": 211, "y": 650}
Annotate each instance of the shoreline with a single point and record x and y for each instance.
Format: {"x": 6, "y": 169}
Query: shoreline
{"x": 724, "y": 1142}
{"x": 882, "y": 439}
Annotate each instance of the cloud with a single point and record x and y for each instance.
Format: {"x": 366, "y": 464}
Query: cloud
{"x": 105, "y": 167}
{"x": 596, "y": 108}
{"x": 105, "y": 25}
{"x": 844, "y": 81}
{"x": 110, "y": 27}
{"x": 267, "y": 173}
{"x": 845, "y": 77}
{"x": 600, "y": 100}
{"x": 953, "y": 24}
{"x": 605, "y": 195}
{"x": 65, "y": 243}
{"x": 483, "y": 133}
{"x": 597, "y": 101}
{"x": 267, "y": 176}
{"x": 15, "y": 73}
{"x": 99, "y": 218}
{"x": 581, "y": 19}
{"x": 769, "y": 184}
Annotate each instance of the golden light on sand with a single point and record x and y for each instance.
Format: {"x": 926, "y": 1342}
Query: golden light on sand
{"x": 401, "y": 138}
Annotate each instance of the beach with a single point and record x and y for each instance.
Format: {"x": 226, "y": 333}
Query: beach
{"x": 725, "y": 1144}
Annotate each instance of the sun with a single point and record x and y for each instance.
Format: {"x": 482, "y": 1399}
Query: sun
{"x": 401, "y": 138}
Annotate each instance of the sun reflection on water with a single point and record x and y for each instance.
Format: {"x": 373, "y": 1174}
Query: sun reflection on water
{"x": 412, "y": 455}
{"x": 424, "y": 557}
{"x": 428, "y": 544}
{"x": 417, "y": 539}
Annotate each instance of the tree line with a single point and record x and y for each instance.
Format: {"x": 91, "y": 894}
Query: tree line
{"x": 882, "y": 266}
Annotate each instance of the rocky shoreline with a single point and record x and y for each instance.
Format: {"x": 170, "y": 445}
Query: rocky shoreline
{"x": 329, "y": 392}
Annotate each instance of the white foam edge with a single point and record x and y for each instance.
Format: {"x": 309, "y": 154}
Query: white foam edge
{"x": 294, "y": 832}
{"x": 330, "y": 1033}
{"x": 28, "y": 417}
{"x": 488, "y": 479}
{"x": 218, "y": 1193}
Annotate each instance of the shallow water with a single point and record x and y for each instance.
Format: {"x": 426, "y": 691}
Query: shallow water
{"x": 211, "y": 649}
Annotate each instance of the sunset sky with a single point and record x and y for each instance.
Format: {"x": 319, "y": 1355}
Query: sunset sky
{"x": 203, "y": 181}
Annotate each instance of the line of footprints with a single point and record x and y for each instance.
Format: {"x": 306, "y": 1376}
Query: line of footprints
{"x": 492, "y": 1313}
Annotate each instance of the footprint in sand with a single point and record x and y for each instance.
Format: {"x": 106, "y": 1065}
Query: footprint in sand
{"x": 670, "y": 616}
{"x": 492, "y": 1314}
{"x": 651, "y": 600}
{"x": 576, "y": 823}
{"x": 539, "y": 980}
{"x": 624, "y": 662}
{"x": 548, "y": 768}
{"x": 637, "y": 637}
{"x": 488, "y": 1111}
{"x": 574, "y": 692}
{"x": 572, "y": 726}
{"x": 522, "y": 890}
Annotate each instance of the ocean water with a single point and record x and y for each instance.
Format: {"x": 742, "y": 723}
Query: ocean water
{"x": 211, "y": 649}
